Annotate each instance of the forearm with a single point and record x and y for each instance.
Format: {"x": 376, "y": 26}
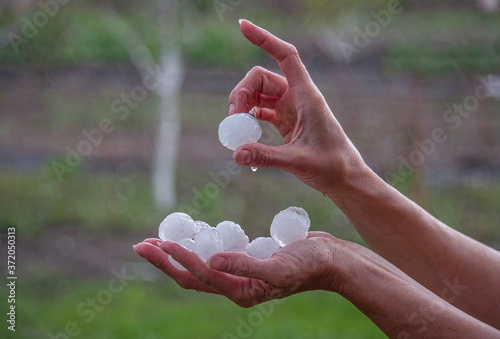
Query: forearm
{"x": 455, "y": 267}
{"x": 400, "y": 306}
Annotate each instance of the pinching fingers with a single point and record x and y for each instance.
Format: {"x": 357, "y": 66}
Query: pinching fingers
{"x": 260, "y": 87}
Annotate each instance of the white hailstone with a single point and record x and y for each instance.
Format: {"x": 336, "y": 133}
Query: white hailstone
{"x": 290, "y": 225}
{"x": 187, "y": 244}
{"x": 239, "y": 129}
{"x": 237, "y": 250}
{"x": 177, "y": 226}
{"x": 233, "y": 236}
{"x": 208, "y": 242}
{"x": 200, "y": 225}
{"x": 262, "y": 247}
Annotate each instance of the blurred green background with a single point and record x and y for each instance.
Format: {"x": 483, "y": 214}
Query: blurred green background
{"x": 390, "y": 78}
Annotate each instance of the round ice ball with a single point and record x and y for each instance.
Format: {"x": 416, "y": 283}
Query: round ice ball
{"x": 239, "y": 129}
{"x": 208, "y": 241}
{"x": 262, "y": 247}
{"x": 237, "y": 250}
{"x": 177, "y": 226}
{"x": 290, "y": 225}
{"x": 187, "y": 244}
{"x": 233, "y": 236}
{"x": 200, "y": 225}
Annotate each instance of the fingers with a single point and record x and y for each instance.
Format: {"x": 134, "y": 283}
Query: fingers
{"x": 222, "y": 283}
{"x": 152, "y": 241}
{"x": 259, "y": 88}
{"x": 318, "y": 234}
{"x": 242, "y": 265}
{"x": 284, "y": 53}
{"x": 260, "y": 155}
{"x": 158, "y": 258}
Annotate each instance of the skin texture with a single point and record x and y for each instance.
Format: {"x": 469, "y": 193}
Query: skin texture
{"x": 420, "y": 279}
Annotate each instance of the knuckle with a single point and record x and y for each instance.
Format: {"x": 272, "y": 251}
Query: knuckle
{"x": 256, "y": 70}
{"x": 292, "y": 50}
{"x": 240, "y": 268}
{"x": 289, "y": 278}
{"x": 264, "y": 158}
{"x": 205, "y": 279}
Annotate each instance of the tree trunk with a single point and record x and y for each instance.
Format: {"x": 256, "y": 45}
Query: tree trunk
{"x": 168, "y": 130}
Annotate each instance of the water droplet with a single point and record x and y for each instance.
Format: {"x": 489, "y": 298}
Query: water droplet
{"x": 254, "y": 169}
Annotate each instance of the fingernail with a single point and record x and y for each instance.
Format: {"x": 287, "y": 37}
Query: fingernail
{"x": 159, "y": 244}
{"x": 240, "y": 21}
{"x": 134, "y": 246}
{"x": 232, "y": 108}
{"x": 219, "y": 263}
{"x": 243, "y": 157}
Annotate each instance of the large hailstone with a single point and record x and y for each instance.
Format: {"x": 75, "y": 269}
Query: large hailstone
{"x": 177, "y": 226}
{"x": 239, "y": 129}
{"x": 290, "y": 225}
{"x": 208, "y": 241}
{"x": 200, "y": 225}
{"x": 233, "y": 236}
{"x": 262, "y": 247}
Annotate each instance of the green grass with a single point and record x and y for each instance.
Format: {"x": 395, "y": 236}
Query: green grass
{"x": 163, "y": 310}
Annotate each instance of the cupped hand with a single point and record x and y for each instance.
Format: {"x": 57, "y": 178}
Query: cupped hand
{"x": 308, "y": 264}
{"x": 316, "y": 149}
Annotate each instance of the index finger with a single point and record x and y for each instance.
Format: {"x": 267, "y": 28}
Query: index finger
{"x": 157, "y": 257}
{"x": 245, "y": 266}
{"x": 283, "y": 52}
{"x": 244, "y": 292}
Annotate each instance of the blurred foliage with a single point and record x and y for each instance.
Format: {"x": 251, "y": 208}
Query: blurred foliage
{"x": 435, "y": 60}
{"x": 220, "y": 46}
{"x": 93, "y": 202}
{"x": 71, "y": 37}
{"x": 77, "y": 36}
{"x": 446, "y": 41}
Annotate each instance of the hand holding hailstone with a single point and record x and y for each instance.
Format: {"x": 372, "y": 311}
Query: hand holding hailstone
{"x": 240, "y": 129}
{"x": 416, "y": 267}
{"x": 288, "y": 226}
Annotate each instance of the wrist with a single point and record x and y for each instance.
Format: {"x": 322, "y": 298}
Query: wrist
{"x": 337, "y": 270}
{"x": 355, "y": 177}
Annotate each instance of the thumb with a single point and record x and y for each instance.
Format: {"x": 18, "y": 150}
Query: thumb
{"x": 245, "y": 266}
{"x": 260, "y": 155}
